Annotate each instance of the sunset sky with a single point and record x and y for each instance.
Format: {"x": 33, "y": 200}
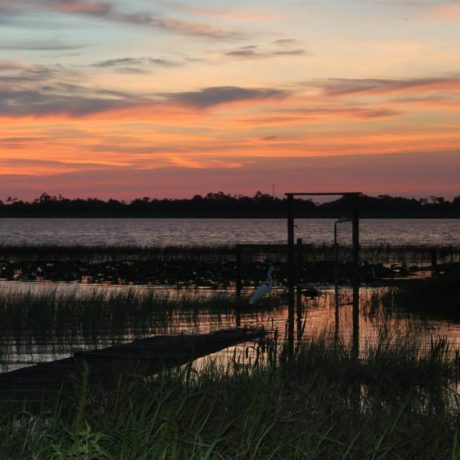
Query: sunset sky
{"x": 129, "y": 98}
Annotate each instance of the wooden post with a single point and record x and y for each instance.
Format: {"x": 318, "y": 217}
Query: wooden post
{"x": 434, "y": 259}
{"x": 291, "y": 273}
{"x": 238, "y": 272}
{"x": 356, "y": 271}
{"x": 299, "y": 291}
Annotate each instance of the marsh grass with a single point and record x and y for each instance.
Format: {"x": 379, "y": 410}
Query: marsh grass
{"x": 54, "y": 320}
{"x": 398, "y": 402}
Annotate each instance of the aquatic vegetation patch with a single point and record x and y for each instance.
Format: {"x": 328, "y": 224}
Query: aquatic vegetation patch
{"x": 214, "y": 266}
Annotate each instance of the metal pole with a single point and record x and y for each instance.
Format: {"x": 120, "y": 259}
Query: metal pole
{"x": 336, "y": 277}
{"x": 239, "y": 285}
{"x": 336, "y": 284}
{"x": 291, "y": 273}
{"x": 356, "y": 272}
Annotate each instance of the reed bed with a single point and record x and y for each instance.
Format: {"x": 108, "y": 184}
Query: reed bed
{"x": 39, "y": 313}
{"x": 397, "y": 402}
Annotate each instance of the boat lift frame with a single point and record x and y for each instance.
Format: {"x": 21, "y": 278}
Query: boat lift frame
{"x": 293, "y": 275}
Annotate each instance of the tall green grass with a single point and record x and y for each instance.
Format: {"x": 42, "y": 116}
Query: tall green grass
{"x": 398, "y": 402}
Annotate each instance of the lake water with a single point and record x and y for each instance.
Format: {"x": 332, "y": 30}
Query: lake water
{"x": 171, "y": 232}
{"x": 24, "y": 347}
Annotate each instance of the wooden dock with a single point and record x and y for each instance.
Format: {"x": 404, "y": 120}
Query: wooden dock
{"x": 139, "y": 358}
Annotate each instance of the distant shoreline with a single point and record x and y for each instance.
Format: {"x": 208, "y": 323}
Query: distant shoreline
{"x": 230, "y": 217}
{"x": 223, "y": 206}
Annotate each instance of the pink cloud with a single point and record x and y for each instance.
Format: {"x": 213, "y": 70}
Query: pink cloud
{"x": 82, "y": 7}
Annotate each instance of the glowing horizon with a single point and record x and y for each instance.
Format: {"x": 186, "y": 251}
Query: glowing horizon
{"x": 170, "y": 99}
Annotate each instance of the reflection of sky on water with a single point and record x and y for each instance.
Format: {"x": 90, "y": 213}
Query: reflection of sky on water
{"x": 170, "y": 232}
{"x": 29, "y": 347}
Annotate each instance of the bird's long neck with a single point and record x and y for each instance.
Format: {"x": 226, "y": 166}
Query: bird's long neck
{"x": 270, "y": 275}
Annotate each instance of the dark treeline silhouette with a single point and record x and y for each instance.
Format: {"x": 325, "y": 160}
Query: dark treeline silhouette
{"x": 224, "y": 205}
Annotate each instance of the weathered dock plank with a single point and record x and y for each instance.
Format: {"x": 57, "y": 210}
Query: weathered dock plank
{"x": 140, "y": 357}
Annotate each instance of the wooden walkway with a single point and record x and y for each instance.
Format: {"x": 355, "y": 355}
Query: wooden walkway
{"x": 139, "y": 358}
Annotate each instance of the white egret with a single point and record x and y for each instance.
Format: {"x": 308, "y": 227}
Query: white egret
{"x": 263, "y": 288}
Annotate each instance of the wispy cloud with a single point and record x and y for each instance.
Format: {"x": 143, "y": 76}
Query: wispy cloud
{"x": 179, "y": 26}
{"x": 285, "y": 42}
{"x": 137, "y": 64}
{"x": 319, "y": 114}
{"x": 342, "y": 86}
{"x": 278, "y": 48}
{"x": 109, "y": 11}
{"x": 16, "y": 73}
{"x": 57, "y": 100}
{"x": 254, "y": 52}
{"x": 209, "y": 97}
{"x": 43, "y": 45}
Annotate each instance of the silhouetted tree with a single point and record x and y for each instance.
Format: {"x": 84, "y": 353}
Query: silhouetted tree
{"x": 221, "y": 204}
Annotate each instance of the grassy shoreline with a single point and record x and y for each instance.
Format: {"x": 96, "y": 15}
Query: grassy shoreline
{"x": 396, "y": 403}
